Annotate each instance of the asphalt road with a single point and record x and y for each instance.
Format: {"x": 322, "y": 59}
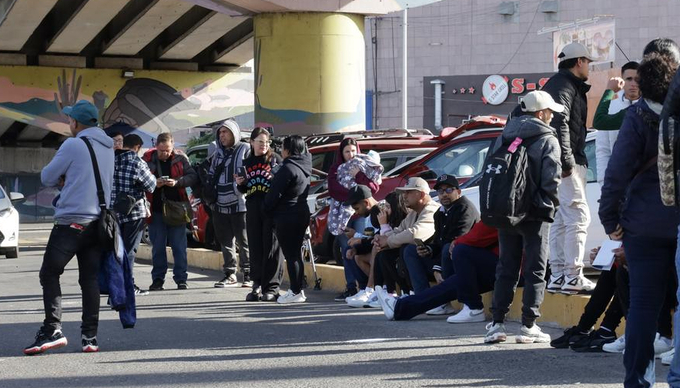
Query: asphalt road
{"x": 207, "y": 337}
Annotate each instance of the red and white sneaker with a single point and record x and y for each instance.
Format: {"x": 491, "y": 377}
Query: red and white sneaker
{"x": 90, "y": 345}
{"x": 45, "y": 341}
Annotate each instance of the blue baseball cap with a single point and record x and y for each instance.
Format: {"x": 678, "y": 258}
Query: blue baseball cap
{"x": 83, "y": 112}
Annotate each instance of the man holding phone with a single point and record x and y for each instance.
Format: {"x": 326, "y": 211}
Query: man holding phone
{"x": 454, "y": 218}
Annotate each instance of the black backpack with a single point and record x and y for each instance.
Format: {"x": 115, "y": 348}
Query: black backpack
{"x": 506, "y": 190}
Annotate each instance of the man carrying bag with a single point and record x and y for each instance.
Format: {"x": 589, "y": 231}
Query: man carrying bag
{"x": 170, "y": 210}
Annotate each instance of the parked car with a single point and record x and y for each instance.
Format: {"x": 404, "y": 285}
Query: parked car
{"x": 596, "y": 234}
{"x": 462, "y": 155}
{"x": 9, "y": 224}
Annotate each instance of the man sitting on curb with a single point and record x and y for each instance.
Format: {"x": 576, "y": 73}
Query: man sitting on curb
{"x": 455, "y": 217}
{"x": 418, "y": 224}
{"x": 475, "y": 256}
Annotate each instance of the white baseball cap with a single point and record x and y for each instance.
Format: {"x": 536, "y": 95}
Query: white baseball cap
{"x": 575, "y": 50}
{"x": 539, "y": 100}
{"x": 415, "y": 184}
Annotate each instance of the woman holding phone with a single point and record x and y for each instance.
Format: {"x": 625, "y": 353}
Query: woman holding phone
{"x": 287, "y": 201}
{"x": 254, "y": 181}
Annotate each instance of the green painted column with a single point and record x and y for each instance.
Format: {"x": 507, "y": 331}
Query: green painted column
{"x": 310, "y": 72}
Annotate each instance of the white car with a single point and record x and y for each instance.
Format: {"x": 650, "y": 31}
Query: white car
{"x": 9, "y": 224}
{"x": 596, "y": 234}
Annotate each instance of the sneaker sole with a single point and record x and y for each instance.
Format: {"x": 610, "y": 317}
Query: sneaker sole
{"x": 522, "y": 339}
{"x": 471, "y": 319}
{"x": 90, "y": 349}
{"x": 496, "y": 338}
{"x": 554, "y": 290}
{"x": 60, "y": 343}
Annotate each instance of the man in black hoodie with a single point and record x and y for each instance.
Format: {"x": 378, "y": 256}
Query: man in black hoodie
{"x": 455, "y": 218}
{"x": 569, "y": 232}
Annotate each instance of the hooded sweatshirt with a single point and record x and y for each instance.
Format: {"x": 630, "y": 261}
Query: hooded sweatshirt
{"x": 78, "y": 201}
{"x": 339, "y": 192}
{"x": 289, "y": 188}
{"x": 544, "y": 163}
{"x": 229, "y": 199}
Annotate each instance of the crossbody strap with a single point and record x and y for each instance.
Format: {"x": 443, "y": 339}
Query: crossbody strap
{"x": 97, "y": 177}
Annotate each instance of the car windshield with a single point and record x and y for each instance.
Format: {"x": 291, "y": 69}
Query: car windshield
{"x": 5, "y": 203}
{"x": 462, "y": 160}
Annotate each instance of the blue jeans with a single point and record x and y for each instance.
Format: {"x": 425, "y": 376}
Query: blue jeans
{"x": 420, "y": 268}
{"x": 353, "y": 274}
{"x": 160, "y": 235}
{"x": 650, "y": 260}
{"x": 475, "y": 274}
{"x": 674, "y": 372}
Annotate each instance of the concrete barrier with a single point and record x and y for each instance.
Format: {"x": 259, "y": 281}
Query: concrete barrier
{"x": 557, "y": 309}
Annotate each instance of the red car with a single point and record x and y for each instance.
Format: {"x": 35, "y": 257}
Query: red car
{"x": 462, "y": 155}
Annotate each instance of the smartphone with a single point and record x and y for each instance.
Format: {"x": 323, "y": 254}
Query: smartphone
{"x": 419, "y": 243}
{"x": 242, "y": 172}
{"x": 165, "y": 177}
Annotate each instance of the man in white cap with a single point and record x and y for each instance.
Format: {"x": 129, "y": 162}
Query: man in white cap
{"x": 418, "y": 224}
{"x": 569, "y": 232}
{"x": 524, "y": 247}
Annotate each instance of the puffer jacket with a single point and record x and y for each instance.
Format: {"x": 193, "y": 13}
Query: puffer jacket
{"x": 570, "y": 91}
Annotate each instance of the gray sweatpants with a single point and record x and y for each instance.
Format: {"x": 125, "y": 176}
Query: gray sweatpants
{"x": 230, "y": 230}
{"x": 530, "y": 237}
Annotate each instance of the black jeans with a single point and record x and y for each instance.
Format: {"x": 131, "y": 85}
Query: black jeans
{"x": 390, "y": 270}
{"x": 266, "y": 259}
{"x": 290, "y": 230}
{"x": 132, "y": 234}
{"x": 64, "y": 243}
{"x": 230, "y": 230}
{"x": 599, "y": 302}
{"x": 530, "y": 238}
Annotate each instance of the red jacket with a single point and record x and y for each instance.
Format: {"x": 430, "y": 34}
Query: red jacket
{"x": 480, "y": 236}
{"x": 337, "y": 191}
{"x": 180, "y": 170}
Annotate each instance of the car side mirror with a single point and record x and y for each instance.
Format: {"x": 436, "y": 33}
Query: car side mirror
{"x": 465, "y": 170}
{"x": 16, "y": 198}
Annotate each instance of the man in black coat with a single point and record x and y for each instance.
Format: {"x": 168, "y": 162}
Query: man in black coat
{"x": 569, "y": 231}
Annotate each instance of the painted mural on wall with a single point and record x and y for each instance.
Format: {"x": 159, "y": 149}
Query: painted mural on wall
{"x": 155, "y": 101}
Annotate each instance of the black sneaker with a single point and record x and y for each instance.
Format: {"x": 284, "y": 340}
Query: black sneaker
{"x": 269, "y": 296}
{"x": 157, "y": 285}
{"x": 139, "y": 291}
{"x": 346, "y": 294}
{"x": 90, "y": 345}
{"x": 253, "y": 296}
{"x": 570, "y": 336}
{"x": 46, "y": 341}
{"x": 593, "y": 342}
{"x": 247, "y": 282}
{"x": 182, "y": 286}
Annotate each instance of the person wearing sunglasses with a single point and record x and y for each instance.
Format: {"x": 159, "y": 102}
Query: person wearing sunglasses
{"x": 455, "y": 217}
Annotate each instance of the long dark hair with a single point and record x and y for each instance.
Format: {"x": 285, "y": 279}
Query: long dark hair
{"x": 295, "y": 145}
{"x": 655, "y": 74}
{"x": 398, "y": 211}
{"x": 257, "y": 131}
{"x": 344, "y": 143}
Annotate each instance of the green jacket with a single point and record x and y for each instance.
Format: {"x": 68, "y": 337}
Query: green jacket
{"x": 603, "y": 121}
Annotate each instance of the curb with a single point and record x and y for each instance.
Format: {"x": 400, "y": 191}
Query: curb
{"x": 556, "y": 310}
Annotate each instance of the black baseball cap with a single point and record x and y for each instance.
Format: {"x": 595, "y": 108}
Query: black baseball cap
{"x": 447, "y": 180}
{"x": 356, "y": 194}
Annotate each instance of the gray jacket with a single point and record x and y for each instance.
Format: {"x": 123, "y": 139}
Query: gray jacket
{"x": 229, "y": 199}
{"x": 544, "y": 162}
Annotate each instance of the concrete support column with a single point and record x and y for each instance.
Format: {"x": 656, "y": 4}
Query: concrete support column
{"x": 310, "y": 72}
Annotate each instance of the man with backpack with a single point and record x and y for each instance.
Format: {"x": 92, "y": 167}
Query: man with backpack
{"x": 518, "y": 195}
{"x": 569, "y": 233}
{"x": 228, "y": 203}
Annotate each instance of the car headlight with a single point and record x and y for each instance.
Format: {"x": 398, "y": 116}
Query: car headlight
{"x": 5, "y": 213}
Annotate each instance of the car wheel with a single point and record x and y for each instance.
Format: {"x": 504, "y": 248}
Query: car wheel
{"x": 13, "y": 253}
{"x": 337, "y": 252}
{"x": 145, "y": 235}
{"x": 210, "y": 240}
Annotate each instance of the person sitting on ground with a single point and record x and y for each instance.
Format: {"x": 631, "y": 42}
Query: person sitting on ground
{"x": 418, "y": 224}
{"x": 385, "y": 215}
{"x": 455, "y": 217}
{"x": 474, "y": 256}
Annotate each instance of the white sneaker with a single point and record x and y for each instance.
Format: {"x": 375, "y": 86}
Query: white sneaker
{"x": 555, "y": 284}
{"x": 617, "y": 346}
{"x": 495, "y": 332}
{"x": 387, "y": 302}
{"x": 357, "y": 295}
{"x": 532, "y": 335}
{"x": 662, "y": 345}
{"x": 578, "y": 284}
{"x": 289, "y": 297}
{"x": 467, "y": 315}
{"x": 361, "y": 299}
{"x": 444, "y": 309}
{"x": 667, "y": 358}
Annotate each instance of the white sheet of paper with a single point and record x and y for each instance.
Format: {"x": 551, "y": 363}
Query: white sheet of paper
{"x": 605, "y": 257}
